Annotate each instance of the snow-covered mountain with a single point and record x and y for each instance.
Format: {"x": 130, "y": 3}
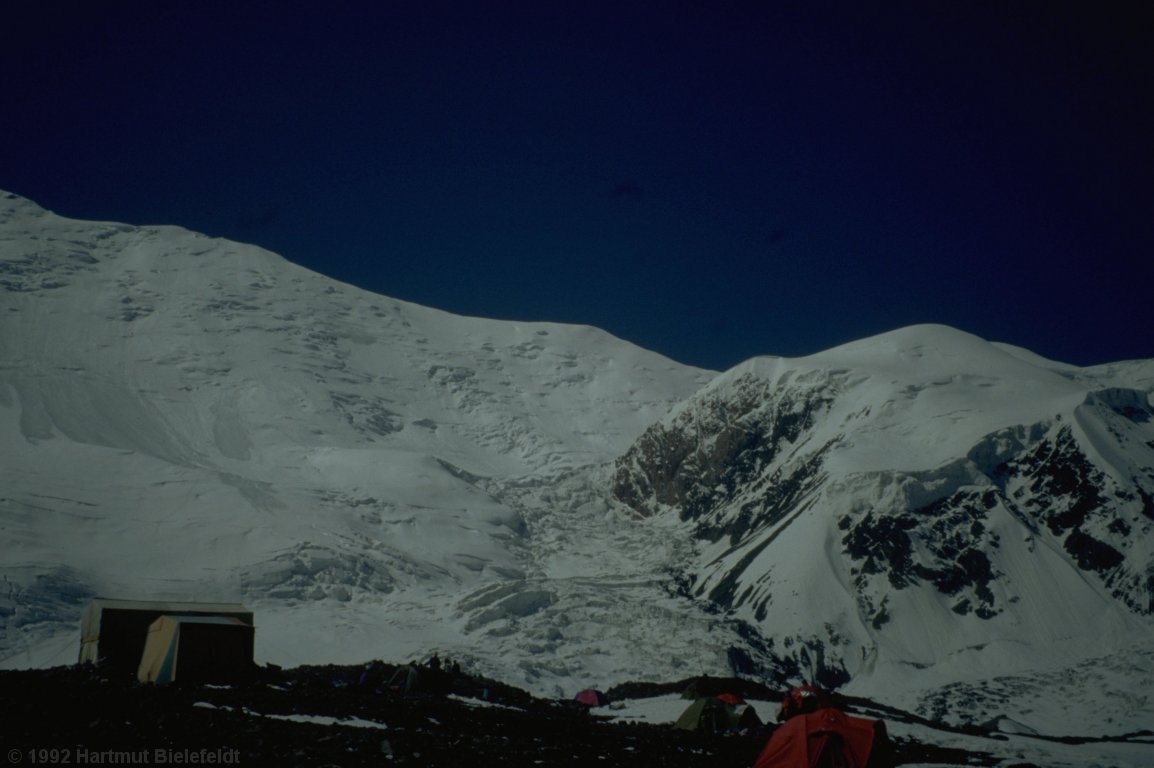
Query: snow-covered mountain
{"x": 957, "y": 525}
{"x": 922, "y": 512}
{"x": 188, "y": 417}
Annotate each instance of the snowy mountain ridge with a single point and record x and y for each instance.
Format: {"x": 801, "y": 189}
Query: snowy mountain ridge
{"x": 922, "y": 500}
{"x": 956, "y": 525}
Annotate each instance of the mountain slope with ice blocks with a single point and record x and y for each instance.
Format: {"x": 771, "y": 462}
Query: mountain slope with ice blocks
{"x": 917, "y": 509}
{"x": 188, "y": 417}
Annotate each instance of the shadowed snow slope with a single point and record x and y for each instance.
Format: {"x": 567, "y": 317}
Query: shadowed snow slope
{"x": 960, "y": 526}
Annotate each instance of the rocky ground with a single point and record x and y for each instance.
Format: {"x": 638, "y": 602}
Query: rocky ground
{"x": 349, "y": 716}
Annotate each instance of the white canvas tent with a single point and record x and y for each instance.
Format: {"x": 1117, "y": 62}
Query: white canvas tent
{"x": 199, "y": 649}
{"x": 113, "y": 632}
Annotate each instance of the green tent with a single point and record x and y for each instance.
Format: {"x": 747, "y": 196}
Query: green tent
{"x": 712, "y": 715}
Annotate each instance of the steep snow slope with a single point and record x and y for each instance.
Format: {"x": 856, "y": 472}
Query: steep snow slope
{"x": 189, "y": 417}
{"x": 915, "y": 510}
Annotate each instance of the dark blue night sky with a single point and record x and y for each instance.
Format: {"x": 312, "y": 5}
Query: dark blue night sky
{"x": 708, "y": 181}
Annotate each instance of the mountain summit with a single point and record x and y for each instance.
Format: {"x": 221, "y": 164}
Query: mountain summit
{"x": 960, "y": 526}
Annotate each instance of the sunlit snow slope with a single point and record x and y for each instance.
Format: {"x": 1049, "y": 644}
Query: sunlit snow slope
{"x": 920, "y": 510}
{"x": 188, "y": 417}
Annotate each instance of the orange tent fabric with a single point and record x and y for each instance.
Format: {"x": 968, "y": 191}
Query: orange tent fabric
{"x": 827, "y": 737}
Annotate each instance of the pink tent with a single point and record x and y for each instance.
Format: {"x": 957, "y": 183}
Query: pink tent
{"x": 591, "y": 697}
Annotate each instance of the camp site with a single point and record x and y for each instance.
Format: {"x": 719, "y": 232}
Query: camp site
{"x": 166, "y": 675}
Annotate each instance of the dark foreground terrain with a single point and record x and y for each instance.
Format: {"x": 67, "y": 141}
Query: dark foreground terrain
{"x": 348, "y": 716}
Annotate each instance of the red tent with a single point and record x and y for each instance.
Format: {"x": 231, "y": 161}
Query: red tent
{"x": 732, "y": 699}
{"x": 823, "y": 739}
